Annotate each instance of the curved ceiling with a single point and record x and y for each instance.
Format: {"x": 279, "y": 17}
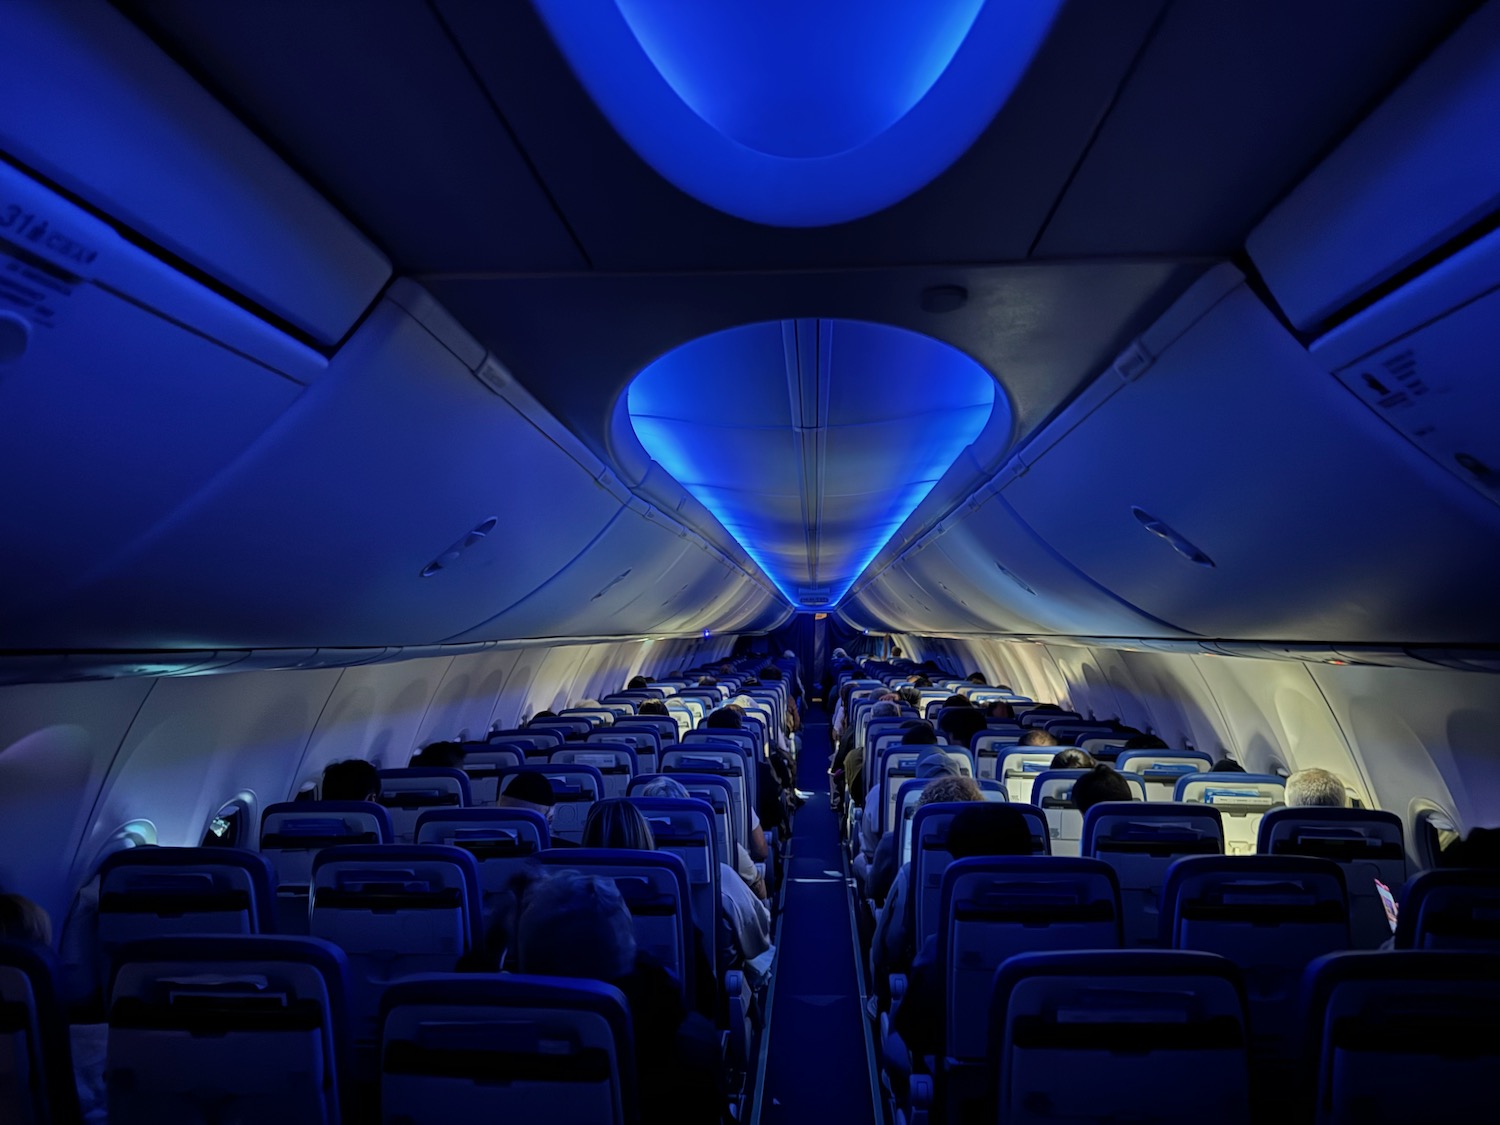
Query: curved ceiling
{"x": 796, "y": 114}
{"x": 811, "y": 441}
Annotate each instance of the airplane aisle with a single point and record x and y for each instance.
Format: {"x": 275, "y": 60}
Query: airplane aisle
{"x": 817, "y": 1066}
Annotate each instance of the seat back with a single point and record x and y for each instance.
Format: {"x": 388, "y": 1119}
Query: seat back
{"x": 685, "y": 827}
{"x": 36, "y": 1070}
{"x": 1457, "y": 909}
{"x": 1060, "y": 1021}
{"x": 294, "y": 832}
{"x": 483, "y": 765}
{"x": 394, "y": 909}
{"x": 615, "y": 761}
{"x": 505, "y": 1048}
{"x": 664, "y": 725}
{"x": 987, "y": 745}
{"x": 1367, "y": 843}
{"x": 716, "y": 794}
{"x": 1242, "y": 800}
{"x": 1103, "y": 749}
{"x": 1271, "y": 916}
{"x": 406, "y": 793}
{"x": 574, "y": 790}
{"x": 992, "y": 908}
{"x": 898, "y": 765}
{"x": 655, "y": 886}
{"x": 1052, "y": 792}
{"x": 1018, "y": 767}
{"x": 646, "y": 742}
{"x": 535, "y": 741}
{"x": 502, "y": 841}
{"x": 153, "y": 892}
{"x": 721, "y": 761}
{"x": 1404, "y": 1036}
{"x": 1140, "y": 841}
{"x": 1161, "y": 769}
{"x": 217, "y": 1028}
{"x": 597, "y": 716}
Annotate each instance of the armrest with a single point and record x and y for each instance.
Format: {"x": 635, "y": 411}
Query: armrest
{"x": 897, "y": 982}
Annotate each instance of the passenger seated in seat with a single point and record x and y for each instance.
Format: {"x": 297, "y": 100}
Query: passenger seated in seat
{"x": 986, "y": 829}
{"x": 1038, "y": 738}
{"x": 893, "y": 947}
{"x": 1073, "y": 759}
{"x": 533, "y": 791}
{"x": 976, "y": 678}
{"x": 1480, "y": 848}
{"x": 931, "y": 765}
{"x": 911, "y": 694}
{"x": 654, "y": 707}
{"x": 352, "y": 780}
{"x": 1144, "y": 742}
{"x": 447, "y": 755}
{"x": 771, "y": 790}
{"x": 1226, "y": 765}
{"x": 1314, "y": 788}
{"x": 746, "y": 932}
{"x": 574, "y": 925}
{"x": 1101, "y": 784}
{"x": 637, "y": 683}
{"x": 958, "y": 701}
{"x": 961, "y": 726}
{"x": 999, "y": 711}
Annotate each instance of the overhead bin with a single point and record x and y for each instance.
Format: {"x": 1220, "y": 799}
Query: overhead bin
{"x": 96, "y": 108}
{"x": 1234, "y": 489}
{"x": 1420, "y": 171}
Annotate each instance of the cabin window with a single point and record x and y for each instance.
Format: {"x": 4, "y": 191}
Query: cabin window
{"x": 1434, "y": 829}
{"x": 229, "y": 827}
{"x": 308, "y": 792}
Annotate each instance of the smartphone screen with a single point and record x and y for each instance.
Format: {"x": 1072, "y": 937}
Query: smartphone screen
{"x": 1387, "y": 900}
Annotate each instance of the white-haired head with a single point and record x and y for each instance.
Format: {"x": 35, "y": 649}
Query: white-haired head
{"x": 1316, "y": 788}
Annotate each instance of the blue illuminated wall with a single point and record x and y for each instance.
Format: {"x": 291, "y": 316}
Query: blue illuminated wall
{"x": 799, "y": 113}
{"x": 812, "y": 441}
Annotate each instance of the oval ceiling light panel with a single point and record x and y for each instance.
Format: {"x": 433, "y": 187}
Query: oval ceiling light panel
{"x": 798, "y": 113}
{"x": 812, "y": 441}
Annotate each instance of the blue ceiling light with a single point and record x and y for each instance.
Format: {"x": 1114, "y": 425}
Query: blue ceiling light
{"x": 812, "y": 441}
{"x": 794, "y": 113}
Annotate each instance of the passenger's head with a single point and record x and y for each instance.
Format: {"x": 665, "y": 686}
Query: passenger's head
{"x": 448, "y": 755}
{"x": 1073, "y": 759}
{"x": 616, "y": 823}
{"x": 662, "y": 786}
{"x": 885, "y": 709}
{"x": 528, "y": 790}
{"x": 707, "y": 681}
{"x": 976, "y": 678}
{"x": 1480, "y": 848}
{"x": 1144, "y": 742}
{"x": 1315, "y": 788}
{"x": 544, "y": 713}
{"x": 637, "y": 683}
{"x": 770, "y": 673}
{"x": 962, "y": 725}
{"x": 957, "y": 701}
{"x": 920, "y": 733}
{"x": 920, "y": 682}
{"x": 942, "y": 790}
{"x": 1226, "y": 765}
{"x": 936, "y": 763}
{"x": 1100, "y": 784}
{"x": 351, "y": 780}
{"x": 988, "y": 828}
{"x": 574, "y": 925}
{"x": 1039, "y": 738}
{"x": 999, "y": 709}
{"x": 653, "y": 707}
{"x": 24, "y": 921}
{"x": 726, "y": 718}
{"x": 909, "y": 695}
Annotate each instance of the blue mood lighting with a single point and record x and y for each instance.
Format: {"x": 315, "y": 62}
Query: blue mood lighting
{"x": 797, "y": 113}
{"x": 812, "y": 441}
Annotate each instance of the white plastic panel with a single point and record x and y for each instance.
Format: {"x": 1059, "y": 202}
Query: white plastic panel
{"x": 114, "y": 121}
{"x": 1422, "y": 168}
{"x": 1320, "y": 523}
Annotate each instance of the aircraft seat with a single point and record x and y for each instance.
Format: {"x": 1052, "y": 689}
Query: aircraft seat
{"x": 723, "y": 761}
{"x": 574, "y": 789}
{"x": 505, "y": 1048}
{"x": 1368, "y": 844}
{"x": 685, "y": 828}
{"x": 646, "y": 741}
{"x": 1140, "y": 841}
{"x": 220, "y": 1028}
{"x": 406, "y": 793}
{"x": 616, "y": 762}
{"x": 1271, "y": 916}
{"x": 714, "y": 792}
{"x": 1018, "y": 767}
{"x": 293, "y": 832}
{"x": 483, "y": 765}
{"x": 502, "y": 841}
{"x": 1162, "y": 769}
{"x": 1453, "y": 908}
{"x": 394, "y": 909}
{"x": 1059, "y": 1021}
{"x": 36, "y": 1067}
{"x": 1241, "y": 798}
{"x": 1403, "y": 1036}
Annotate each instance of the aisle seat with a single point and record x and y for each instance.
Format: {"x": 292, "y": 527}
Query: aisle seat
{"x": 1140, "y": 841}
